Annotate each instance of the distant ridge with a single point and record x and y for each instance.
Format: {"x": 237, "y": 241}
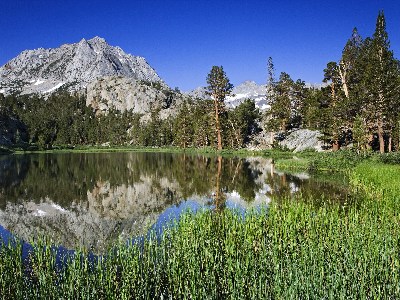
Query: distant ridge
{"x": 246, "y": 90}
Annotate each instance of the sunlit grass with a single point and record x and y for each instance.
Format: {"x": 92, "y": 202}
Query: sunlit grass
{"x": 290, "y": 250}
{"x": 293, "y": 250}
{"x": 298, "y": 164}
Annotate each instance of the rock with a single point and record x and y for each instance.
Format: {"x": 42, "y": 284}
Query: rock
{"x": 303, "y": 139}
{"x": 123, "y": 94}
{"x": 199, "y": 93}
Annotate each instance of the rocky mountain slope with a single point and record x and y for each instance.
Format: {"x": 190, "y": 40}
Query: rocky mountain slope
{"x": 124, "y": 93}
{"x": 246, "y": 90}
{"x": 249, "y": 90}
{"x": 72, "y": 67}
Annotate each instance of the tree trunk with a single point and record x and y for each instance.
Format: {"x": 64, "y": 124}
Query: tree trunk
{"x": 217, "y": 125}
{"x": 236, "y": 135}
{"x": 390, "y": 144}
{"x": 380, "y": 136}
{"x": 343, "y": 75}
{"x": 368, "y": 146}
{"x": 335, "y": 146}
{"x": 218, "y": 193}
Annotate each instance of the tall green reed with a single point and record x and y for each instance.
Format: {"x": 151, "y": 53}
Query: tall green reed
{"x": 292, "y": 250}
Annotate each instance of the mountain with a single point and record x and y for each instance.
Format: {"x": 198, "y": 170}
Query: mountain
{"x": 199, "y": 93}
{"x": 246, "y": 90}
{"x": 72, "y": 67}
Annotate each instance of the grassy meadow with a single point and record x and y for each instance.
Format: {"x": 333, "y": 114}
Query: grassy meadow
{"x": 290, "y": 250}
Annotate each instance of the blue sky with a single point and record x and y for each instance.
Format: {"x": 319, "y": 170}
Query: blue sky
{"x": 182, "y": 40}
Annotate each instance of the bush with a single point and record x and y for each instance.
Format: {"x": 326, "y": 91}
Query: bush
{"x": 337, "y": 161}
{"x": 390, "y": 158}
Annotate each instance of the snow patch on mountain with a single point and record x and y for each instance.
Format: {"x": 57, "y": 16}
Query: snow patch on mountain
{"x": 57, "y": 86}
{"x": 37, "y": 82}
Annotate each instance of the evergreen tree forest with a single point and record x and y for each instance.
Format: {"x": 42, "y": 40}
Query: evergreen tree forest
{"x": 64, "y": 120}
{"x": 358, "y": 105}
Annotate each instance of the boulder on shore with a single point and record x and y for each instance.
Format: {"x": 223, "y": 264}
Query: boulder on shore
{"x": 303, "y": 139}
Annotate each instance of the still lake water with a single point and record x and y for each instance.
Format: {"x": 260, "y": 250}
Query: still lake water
{"x": 96, "y": 199}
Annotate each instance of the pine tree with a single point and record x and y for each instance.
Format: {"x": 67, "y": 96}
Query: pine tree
{"x": 360, "y": 134}
{"x": 184, "y": 126}
{"x": 350, "y": 73}
{"x": 310, "y": 108}
{"x": 218, "y": 87}
{"x": 381, "y": 83}
{"x": 270, "y": 90}
{"x": 270, "y": 96}
{"x": 244, "y": 122}
{"x": 280, "y": 112}
{"x": 332, "y": 76}
{"x": 347, "y": 68}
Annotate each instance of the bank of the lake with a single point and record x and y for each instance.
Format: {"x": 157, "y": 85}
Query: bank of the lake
{"x": 293, "y": 249}
{"x": 284, "y": 159}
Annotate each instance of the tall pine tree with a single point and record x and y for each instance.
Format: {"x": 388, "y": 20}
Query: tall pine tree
{"x": 381, "y": 84}
{"x": 218, "y": 88}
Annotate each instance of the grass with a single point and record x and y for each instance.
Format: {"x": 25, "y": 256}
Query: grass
{"x": 274, "y": 154}
{"x": 341, "y": 161}
{"x": 378, "y": 180}
{"x": 292, "y": 250}
{"x": 293, "y": 164}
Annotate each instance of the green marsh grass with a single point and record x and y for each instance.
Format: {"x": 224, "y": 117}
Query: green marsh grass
{"x": 293, "y": 164}
{"x": 293, "y": 250}
{"x": 290, "y": 250}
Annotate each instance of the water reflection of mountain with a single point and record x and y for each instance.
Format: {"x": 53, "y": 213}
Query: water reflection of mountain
{"x": 94, "y": 199}
{"x": 65, "y": 178}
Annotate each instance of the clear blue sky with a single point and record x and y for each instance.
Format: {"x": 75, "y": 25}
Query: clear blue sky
{"x": 182, "y": 40}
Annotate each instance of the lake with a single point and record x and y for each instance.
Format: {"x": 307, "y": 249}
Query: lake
{"x": 96, "y": 199}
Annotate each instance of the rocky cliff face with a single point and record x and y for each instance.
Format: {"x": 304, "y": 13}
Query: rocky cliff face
{"x": 124, "y": 93}
{"x": 72, "y": 67}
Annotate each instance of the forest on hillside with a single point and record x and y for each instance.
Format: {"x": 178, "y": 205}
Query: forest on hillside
{"x": 359, "y": 106}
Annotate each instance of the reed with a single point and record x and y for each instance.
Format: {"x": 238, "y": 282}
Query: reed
{"x": 290, "y": 250}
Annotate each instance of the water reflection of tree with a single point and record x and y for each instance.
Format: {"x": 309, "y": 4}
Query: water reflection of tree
{"x": 219, "y": 195}
{"x": 13, "y": 171}
{"x": 241, "y": 177}
{"x": 278, "y": 185}
{"x": 314, "y": 190}
{"x": 68, "y": 177}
